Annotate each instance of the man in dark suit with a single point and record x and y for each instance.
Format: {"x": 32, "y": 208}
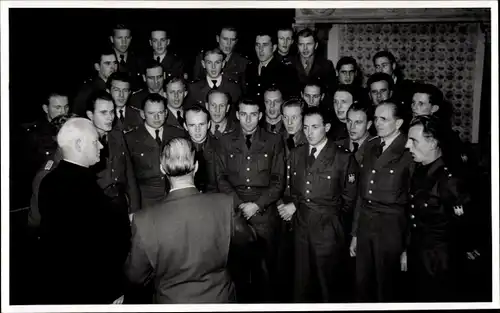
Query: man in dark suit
{"x": 173, "y": 66}
{"x": 219, "y": 105}
{"x": 234, "y": 63}
{"x": 127, "y": 116}
{"x": 250, "y": 167}
{"x": 268, "y": 71}
{"x": 145, "y": 143}
{"x": 84, "y": 237}
{"x": 197, "y": 122}
{"x": 105, "y": 64}
{"x": 380, "y": 221}
{"x": 343, "y": 98}
{"x": 380, "y": 88}
{"x": 323, "y": 186}
{"x": 154, "y": 78}
{"x": 114, "y": 171}
{"x": 185, "y": 269}
{"x": 176, "y": 92}
{"x": 311, "y": 66}
{"x": 128, "y": 62}
{"x": 212, "y": 63}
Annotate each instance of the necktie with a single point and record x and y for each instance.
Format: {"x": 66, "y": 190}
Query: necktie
{"x": 273, "y": 128}
{"x": 311, "y": 158}
{"x": 158, "y": 139}
{"x": 179, "y": 118}
{"x": 217, "y": 132}
{"x": 105, "y": 150}
{"x": 290, "y": 143}
{"x": 122, "y": 118}
{"x": 248, "y": 142}
{"x": 158, "y": 59}
{"x": 380, "y": 149}
{"x": 355, "y": 146}
{"x": 214, "y": 82}
{"x": 122, "y": 59}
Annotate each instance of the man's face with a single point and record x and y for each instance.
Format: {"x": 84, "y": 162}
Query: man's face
{"x": 315, "y": 129}
{"x": 249, "y": 117}
{"x": 379, "y": 91}
{"x": 383, "y": 65}
{"x": 154, "y": 114}
{"x": 213, "y": 64}
{"x": 103, "y": 115}
{"x": 176, "y": 94}
{"x": 312, "y": 96}
{"x": 91, "y": 146}
{"x": 421, "y": 105}
{"x": 155, "y": 79}
{"x": 121, "y": 40}
{"x": 292, "y": 118}
{"x": 159, "y": 42}
{"x": 273, "y": 101}
{"x": 197, "y": 126}
{"x": 420, "y": 147}
{"x": 120, "y": 92}
{"x": 342, "y": 101}
{"x": 107, "y": 66}
{"x": 347, "y": 73}
{"x": 227, "y": 40}
{"x": 264, "y": 48}
{"x": 58, "y": 105}
{"x": 306, "y": 46}
{"x": 218, "y": 107}
{"x": 285, "y": 41}
{"x": 385, "y": 121}
{"x": 357, "y": 124}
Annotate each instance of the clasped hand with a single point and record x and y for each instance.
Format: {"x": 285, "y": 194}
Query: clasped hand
{"x": 286, "y": 211}
{"x": 248, "y": 209}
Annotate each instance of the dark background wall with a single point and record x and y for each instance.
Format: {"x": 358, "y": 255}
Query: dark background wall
{"x": 55, "y": 45}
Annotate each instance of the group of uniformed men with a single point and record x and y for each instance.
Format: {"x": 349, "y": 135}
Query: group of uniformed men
{"x": 322, "y": 168}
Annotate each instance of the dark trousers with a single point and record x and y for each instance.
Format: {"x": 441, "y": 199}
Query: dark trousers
{"x": 284, "y": 263}
{"x": 379, "y": 247}
{"x": 319, "y": 244}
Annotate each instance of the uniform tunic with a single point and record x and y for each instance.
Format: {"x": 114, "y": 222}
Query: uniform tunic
{"x": 205, "y": 179}
{"x": 234, "y": 68}
{"x": 321, "y": 193}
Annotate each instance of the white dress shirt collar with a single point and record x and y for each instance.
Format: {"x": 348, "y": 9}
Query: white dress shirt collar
{"x": 152, "y": 131}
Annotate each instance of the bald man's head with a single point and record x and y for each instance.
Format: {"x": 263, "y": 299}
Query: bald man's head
{"x": 79, "y": 141}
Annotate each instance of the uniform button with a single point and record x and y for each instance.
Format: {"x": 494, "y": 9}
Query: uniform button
{"x": 162, "y": 178}
{"x": 309, "y": 174}
{"x": 249, "y": 187}
{"x": 369, "y": 201}
{"x": 112, "y": 170}
{"x": 308, "y": 182}
{"x": 411, "y": 196}
{"x": 265, "y": 155}
{"x": 294, "y": 173}
{"x": 412, "y": 216}
{"x": 116, "y": 179}
{"x": 308, "y": 200}
{"x": 425, "y": 204}
{"x": 288, "y": 176}
{"x": 370, "y": 192}
{"x": 328, "y": 177}
{"x": 258, "y": 85}
{"x": 248, "y": 180}
{"x": 287, "y": 186}
{"x": 142, "y": 154}
{"x": 307, "y": 191}
{"x": 361, "y": 165}
{"x": 248, "y": 169}
{"x": 248, "y": 157}
{"x": 391, "y": 171}
{"x": 412, "y": 206}
{"x": 288, "y": 167}
{"x": 258, "y": 93}
{"x": 123, "y": 153}
{"x": 414, "y": 225}
{"x": 371, "y": 181}
{"x": 373, "y": 171}
{"x": 47, "y": 152}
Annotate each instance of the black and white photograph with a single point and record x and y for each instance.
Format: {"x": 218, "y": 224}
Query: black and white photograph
{"x": 267, "y": 155}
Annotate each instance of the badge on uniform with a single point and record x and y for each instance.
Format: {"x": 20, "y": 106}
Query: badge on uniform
{"x": 49, "y": 164}
{"x": 459, "y": 210}
{"x": 464, "y": 158}
{"x": 352, "y": 178}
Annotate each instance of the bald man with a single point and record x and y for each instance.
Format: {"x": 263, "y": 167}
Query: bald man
{"x": 84, "y": 238}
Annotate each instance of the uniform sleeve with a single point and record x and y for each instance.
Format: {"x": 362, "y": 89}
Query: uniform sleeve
{"x": 132, "y": 187}
{"x": 221, "y": 175}
{"x": 275, "y": 190}
{"x": 350, "y": 172}
{"x": 34, "y": 213}
{"x": 138, "y": 267}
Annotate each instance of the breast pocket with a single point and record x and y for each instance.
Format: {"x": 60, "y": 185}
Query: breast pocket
{"x": 234, "y": 162}
{"x": 391, "y": 179}
{"x": 263, "y": 162}
{"x": 326, "y": 183}
{"x": 142, "y": 159}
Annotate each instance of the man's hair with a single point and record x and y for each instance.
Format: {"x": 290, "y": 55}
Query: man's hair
{"x": 101, "y": 51}
{"x": 345, "y": 61}
{"x": 153, "y": 97}
{"x": 314, "y": 82}
{"x": 73, "y": 129}
{"x": 196, "y": 108}
{"x": 317, "y": 110}
{"x": 58, "y": 121}
{"x": 118, "y": 76}
{"x": 435, "y": 95}
{"x": 307, "y": 32}
{"x": 384, "y": 54}
{"x": 213, "y": 50}
{"x": 273, "y": 88}
{"x": 57, "y": 91}
{"x": 178, "y": 157}
{"x": 229, "y": 28}
{"x": 98, "y": 95}
{"x": 120, "y": 26}
{"x": 363, "y": 107}
{"x": 432, "y": 127}
{"x": 176, "y": 79}
{"x": 294, "y": 102}
{"x": 159, "y": 29}
{"x": 213, "y": 91}
{"x": 267, "y": 32}
{"x": 285, "y": 28}
{"x": 399, "y": 111}
{"x": 151, "y": 63}
{"x": 350, "y": 89}
{"x": 249, "y": 101}
{"x": 377, "y": 77}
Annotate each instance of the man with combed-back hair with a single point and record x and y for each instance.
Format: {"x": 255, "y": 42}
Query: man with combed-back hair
{"x": 187, "y": 218}
{"x": 85, "y": 239}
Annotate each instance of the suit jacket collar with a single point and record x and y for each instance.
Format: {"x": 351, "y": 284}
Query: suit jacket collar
{"x": 258, "y": 140}
{"x": 393, "y": 152}
{"x": 182, "y": 193}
